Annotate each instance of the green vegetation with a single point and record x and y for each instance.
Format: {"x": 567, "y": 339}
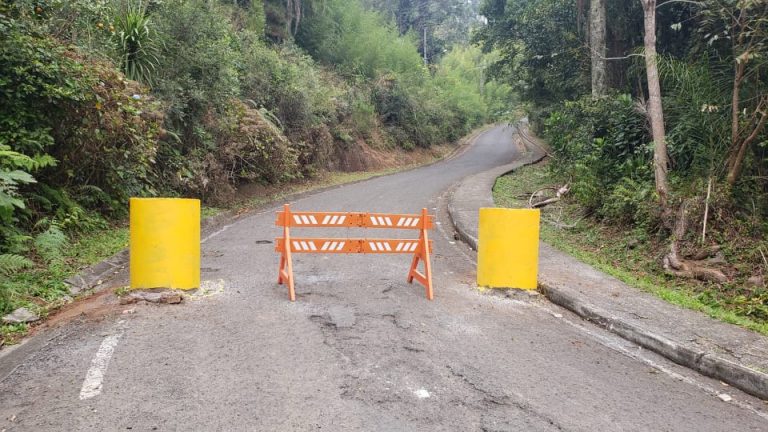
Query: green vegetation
{"x": 685, "y": 177}
{"x": 104, "y": 100}
{"x": 620, "y": 254}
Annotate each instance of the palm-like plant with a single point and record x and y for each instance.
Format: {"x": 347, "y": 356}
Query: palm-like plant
{"x": 135, "y": 43}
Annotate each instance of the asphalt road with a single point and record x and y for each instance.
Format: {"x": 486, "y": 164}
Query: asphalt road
{"x": 360, "y": 349}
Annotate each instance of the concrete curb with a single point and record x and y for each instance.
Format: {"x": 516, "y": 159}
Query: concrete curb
{"x": 476, "y": 191}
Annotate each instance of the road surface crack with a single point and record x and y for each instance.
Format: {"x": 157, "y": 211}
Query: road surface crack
{"x": 490, "y": 399}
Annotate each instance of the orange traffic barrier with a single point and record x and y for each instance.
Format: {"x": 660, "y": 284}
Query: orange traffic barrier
{"x": 420, "y": 248}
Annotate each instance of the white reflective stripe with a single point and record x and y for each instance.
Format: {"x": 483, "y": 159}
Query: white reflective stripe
{"x": 312, "y": 246}
{"x": 296, "y": 245}
{"x": 389, "y": 222}
{"x": 326, "y": 219}
{"x": 305, "y": 245}
{"x": 373, "y": 220}
{"x": 325, "y": 245}
{"x": 399, "y": 246}
{"x": 333, "y": 219}
{"x": 341, "y": 245}
{"x": 408, "y": 221}
{"x": 341, "y": 220}
{"x": 372, "y": 245}
{"x": 400, "y": 222}
{"x": 381, "y": 246}
{"x": 305, "y": 219}
{"x": 413, "y": 246}
{"x": 386, "y": 245}
{"x": 312, "y": 218}
{"x": 381, "y": 221}
{"x": 333, "y": 246}
{"x": 297, "y": 219}
{"x": 415, "y": 222}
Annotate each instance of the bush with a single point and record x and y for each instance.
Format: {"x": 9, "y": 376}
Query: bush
{"x": 603, "y": 148}
{"x": 73, "y": 122}
{"x": 249, "y": 149}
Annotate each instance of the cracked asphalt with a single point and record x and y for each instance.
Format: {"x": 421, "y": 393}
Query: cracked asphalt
{"x": 360, "y": 349}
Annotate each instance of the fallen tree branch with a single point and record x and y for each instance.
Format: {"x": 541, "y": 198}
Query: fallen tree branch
{"x": 677, "y": 266}
{"x": 559, "y": 193}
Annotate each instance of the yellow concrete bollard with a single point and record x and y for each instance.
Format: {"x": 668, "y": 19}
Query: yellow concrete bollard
{"x": 508, "y": 248}
{"x": 165, "y": 243}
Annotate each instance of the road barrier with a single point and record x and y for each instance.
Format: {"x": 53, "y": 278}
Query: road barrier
{"x": 165, "y": 243}
{"x": 508, "y": 248}
{"x": 420, "y": 248}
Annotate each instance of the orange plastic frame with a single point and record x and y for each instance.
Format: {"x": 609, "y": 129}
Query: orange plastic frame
{"x": 420, "y": 248}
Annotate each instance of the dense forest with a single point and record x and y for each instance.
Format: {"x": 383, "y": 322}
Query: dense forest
{"x": 656, "y": 116}
{"x": 102, "y": 100}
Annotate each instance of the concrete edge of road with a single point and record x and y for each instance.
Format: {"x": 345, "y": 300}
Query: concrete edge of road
{"x": 475, "y": 192}
{"x": 97, "y": 274}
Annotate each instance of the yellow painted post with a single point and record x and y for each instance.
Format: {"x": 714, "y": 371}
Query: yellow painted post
{"x": 165, "y": 243}
{"x": 508, "y": 248}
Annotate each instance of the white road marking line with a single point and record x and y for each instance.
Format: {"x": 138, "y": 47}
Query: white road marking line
{"x": 94, "y": 378}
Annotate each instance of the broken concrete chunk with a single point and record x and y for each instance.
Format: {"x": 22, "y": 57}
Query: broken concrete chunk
{"x": 166, "y": 297}
{"x": 19, "y": 316}
{"x": 756, "y": 281}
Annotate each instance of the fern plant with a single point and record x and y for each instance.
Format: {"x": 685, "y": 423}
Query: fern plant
{"x": 15, "y": 171}
{"x": 50, "y": 243}
{"x": 10, "y": 263}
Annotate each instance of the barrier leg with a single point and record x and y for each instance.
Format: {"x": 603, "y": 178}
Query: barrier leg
{"x": 285, "y": 273}
{"x": 422, "y": 254}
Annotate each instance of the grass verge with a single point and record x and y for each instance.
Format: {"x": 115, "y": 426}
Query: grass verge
{"x": 629, "y": 255}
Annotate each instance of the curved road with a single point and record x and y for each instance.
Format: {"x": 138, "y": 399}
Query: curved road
{"x": 360, "y": 349}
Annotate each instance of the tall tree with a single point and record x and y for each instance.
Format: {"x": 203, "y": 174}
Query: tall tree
{"x": 597, "y": 47}
{"x": 655, "y": 110}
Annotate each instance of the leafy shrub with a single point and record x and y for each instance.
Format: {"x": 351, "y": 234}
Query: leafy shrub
{"x": 603, "y": 149}
{"x": 251, "y": 149}
{"x": 197, "y": 68}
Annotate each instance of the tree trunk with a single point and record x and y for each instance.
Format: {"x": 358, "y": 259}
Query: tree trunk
{"x": 597, "y": 47}
{"x": 655, "y": 110}
{"x": 737, "y": 158}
